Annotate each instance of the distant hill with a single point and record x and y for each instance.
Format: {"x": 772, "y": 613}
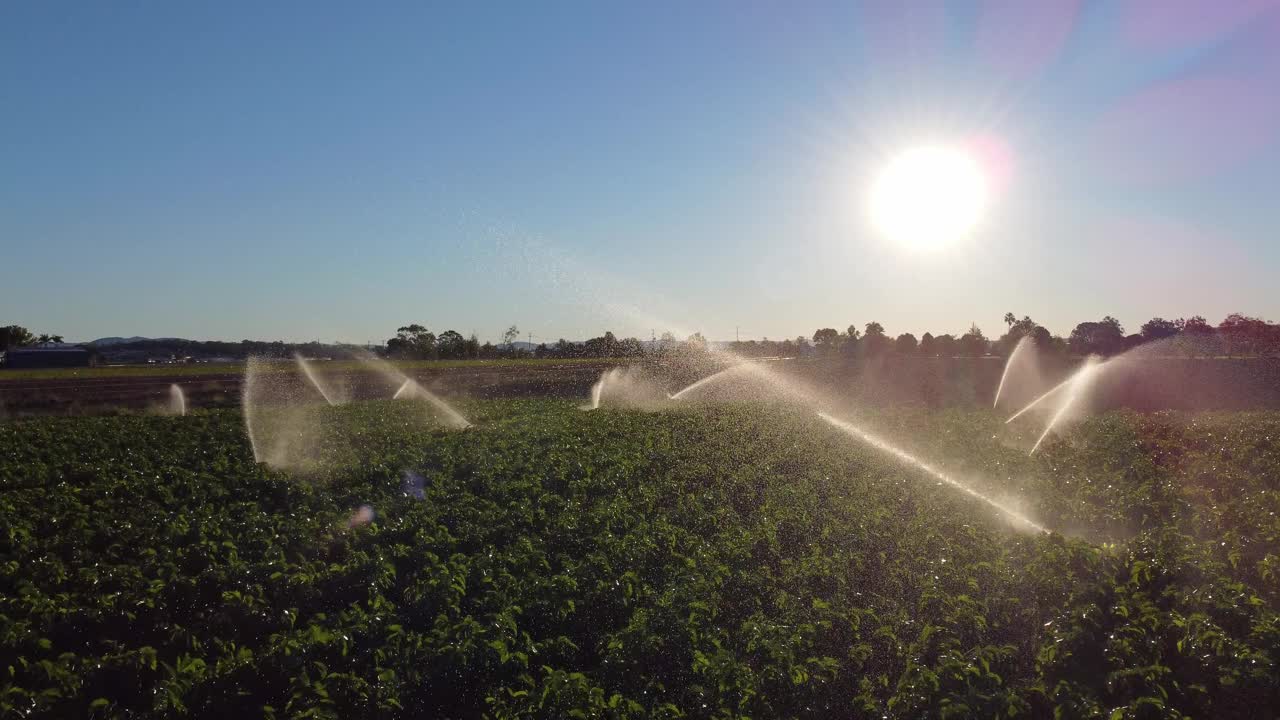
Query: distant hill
{"x": 109, "y": 341}
{"x": 646, "y": 344}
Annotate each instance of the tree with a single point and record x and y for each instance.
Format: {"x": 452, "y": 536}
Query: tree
{"x": 849, "y": 341}
{"x": 928, "y": 347}
{"x": 826, "y": 339}
{"x": 905, "y": 344}
{"x": 15, "y": 336}
{"x": 1195, "y": 325}
{"x": 946, "y": 345}
{"x": 1018, "y": 329}
{"x": 874, "y": 341}
{"x": 451, "y": 344}
{"x": 1023, "y": 327}
{"x": 1245, "y": 335}
{"x": 412, "y": 341}
{"x": 1196, "y": 337}
{"x": 973, "y": 343}
{"x": 1158, "y": 329}
{"x": 630, "y": 347}
{"x": 509, "y": 336}
{"x": 1042, "y": 337}
{"x": 47, "y": 338}
{"x": 606, "y": 345}
{"x": 1105, "y": 337}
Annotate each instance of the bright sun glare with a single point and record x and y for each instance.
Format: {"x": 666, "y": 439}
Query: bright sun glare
{"x": 928, "y": 197}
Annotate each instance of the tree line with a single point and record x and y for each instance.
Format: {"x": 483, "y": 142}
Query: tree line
{"x": 417, "y": 342}
{"x": 1238, "y": 335}
{"x": 12, "y": 336}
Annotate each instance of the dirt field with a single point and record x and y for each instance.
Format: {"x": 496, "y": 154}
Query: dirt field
{"x": 72, "y": 392}
{"x": 1156, "y": 384}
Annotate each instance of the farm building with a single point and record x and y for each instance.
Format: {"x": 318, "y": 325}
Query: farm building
{"x": 50, "y": 357}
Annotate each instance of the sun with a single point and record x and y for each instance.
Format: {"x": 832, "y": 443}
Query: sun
{"x": 929, "y": 197}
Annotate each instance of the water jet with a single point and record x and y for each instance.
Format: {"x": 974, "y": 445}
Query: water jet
{"x": 310, "y": 374}
{"x": 410, "y": 389}
{"x": 798, "y": 391}
{"x": 1074, "y": 391}
{"x": 880, "y": 444}
{"x": 177, "y": 400}
{"x": 625, "y": 387}
{"x": 1021, "y": 362}
{"x": 704, "y": 381}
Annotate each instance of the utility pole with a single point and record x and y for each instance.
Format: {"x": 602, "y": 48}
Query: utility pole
{"x": 735, "y": 334}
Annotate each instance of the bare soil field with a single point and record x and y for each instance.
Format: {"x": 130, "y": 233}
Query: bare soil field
{"x": 72, "y": 393}
{"x": 1154, "y": 384}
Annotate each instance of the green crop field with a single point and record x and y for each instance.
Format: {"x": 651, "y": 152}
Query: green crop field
{"x": 726, "y": 561}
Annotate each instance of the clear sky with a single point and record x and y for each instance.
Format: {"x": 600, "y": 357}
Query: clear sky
{"x": 331, "y": 171}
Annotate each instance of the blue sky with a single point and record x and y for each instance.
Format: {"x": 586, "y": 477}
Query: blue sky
{"x": 331, "y": 171}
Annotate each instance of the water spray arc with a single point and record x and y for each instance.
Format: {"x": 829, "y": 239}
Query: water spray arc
{"x": 452, "y": 417}
{"x": 1133, "y": 366}
{"x": 906, "y": 457}
{"x": 177, "y": 400}
{"x": 707, "y": 380}
{"x": 409, "y": 389}
{"x": 627, "y": 387}
{"x": 1025, "y": 345}
{"x": 246, "y": 394}
{"x": 1050, "y": 393}
{"x": 1078, "y": 383}
{"x": 286, "y": 415}
{"x": 758, "y": 369}
{"x": 798, "y": 391}
{"x": 311, "y": 376}
{"x": 596, "y": 390}
{"x": 1074, "y": 387}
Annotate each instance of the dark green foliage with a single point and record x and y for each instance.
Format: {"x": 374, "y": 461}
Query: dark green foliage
{"x": 703, "y": 562}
